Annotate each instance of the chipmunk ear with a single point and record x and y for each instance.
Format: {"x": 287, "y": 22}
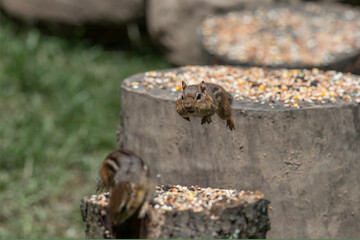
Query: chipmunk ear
{"x": 202, "y": 86}
{"x": 184, "y": 85}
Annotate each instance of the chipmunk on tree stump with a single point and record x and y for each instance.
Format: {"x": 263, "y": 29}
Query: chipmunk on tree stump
{"x": 204, "y": 100}
{"x": 131, "y": 189}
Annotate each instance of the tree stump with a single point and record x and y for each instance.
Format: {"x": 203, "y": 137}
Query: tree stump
{"x": 303, "y": 35}
{"x": 296, "y": 139}
{"x": 186, "y": 214}
{"x": 173, "y": 25}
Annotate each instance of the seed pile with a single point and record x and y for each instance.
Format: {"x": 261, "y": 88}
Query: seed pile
{"x": 308, "y": 35}
{"x": 290, "y": 87}
{"x": 101, "y": 199}
{"x": 197, "y": 199}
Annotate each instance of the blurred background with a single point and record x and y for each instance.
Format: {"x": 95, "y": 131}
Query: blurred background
{"x": 61, "y": 66}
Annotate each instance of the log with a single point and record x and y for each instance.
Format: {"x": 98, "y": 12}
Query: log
{"x": 76, "y": 12}
{"x": 244, "y": 217}
{"x": 303, "y": 156}
{"x": 285, "y": 36}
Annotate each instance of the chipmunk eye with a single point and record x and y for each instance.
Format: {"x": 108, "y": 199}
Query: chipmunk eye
{"x": 198, "y": 96}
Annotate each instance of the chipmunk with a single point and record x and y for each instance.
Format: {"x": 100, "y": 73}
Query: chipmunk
{"x": 203, "y": 100}
{"x": 130, "y": 184}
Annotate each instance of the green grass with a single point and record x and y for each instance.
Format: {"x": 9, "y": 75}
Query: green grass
{"x": 60, "y": 108}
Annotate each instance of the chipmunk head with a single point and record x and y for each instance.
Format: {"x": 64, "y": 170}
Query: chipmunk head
{"x": 194, "y": 99}
{"x": 121, "y": 165}
{"x": 109, "y": 168}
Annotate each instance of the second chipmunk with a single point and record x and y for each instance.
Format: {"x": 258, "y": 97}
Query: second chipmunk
{"x": 130, "y": 184}
{"x": 204, "y": 100}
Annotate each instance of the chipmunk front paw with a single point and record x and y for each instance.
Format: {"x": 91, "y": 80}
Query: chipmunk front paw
{"x": 230, "y": 124}
{"x": 206, "y": 119}
{"x": 187, "y": 118}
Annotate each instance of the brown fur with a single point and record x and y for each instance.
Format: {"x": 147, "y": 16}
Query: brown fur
{"x": 213, "y": 99}
{"x": 130, "y": 184}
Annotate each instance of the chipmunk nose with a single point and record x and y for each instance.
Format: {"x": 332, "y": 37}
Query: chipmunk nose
{"x": 188, "y": 106}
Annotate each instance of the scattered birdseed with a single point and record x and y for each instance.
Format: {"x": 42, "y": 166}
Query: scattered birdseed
{"x": 301, "y": 35}
{"x": 288, "y": 87}
{"x": 100, "y": 199}
{"x": 195, "y": 198}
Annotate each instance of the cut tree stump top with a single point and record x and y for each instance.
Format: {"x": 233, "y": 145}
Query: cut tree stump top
{"x": 285, "y": 35}
{"x": 256, "y": 88}
{"x": 185, "y": 212}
